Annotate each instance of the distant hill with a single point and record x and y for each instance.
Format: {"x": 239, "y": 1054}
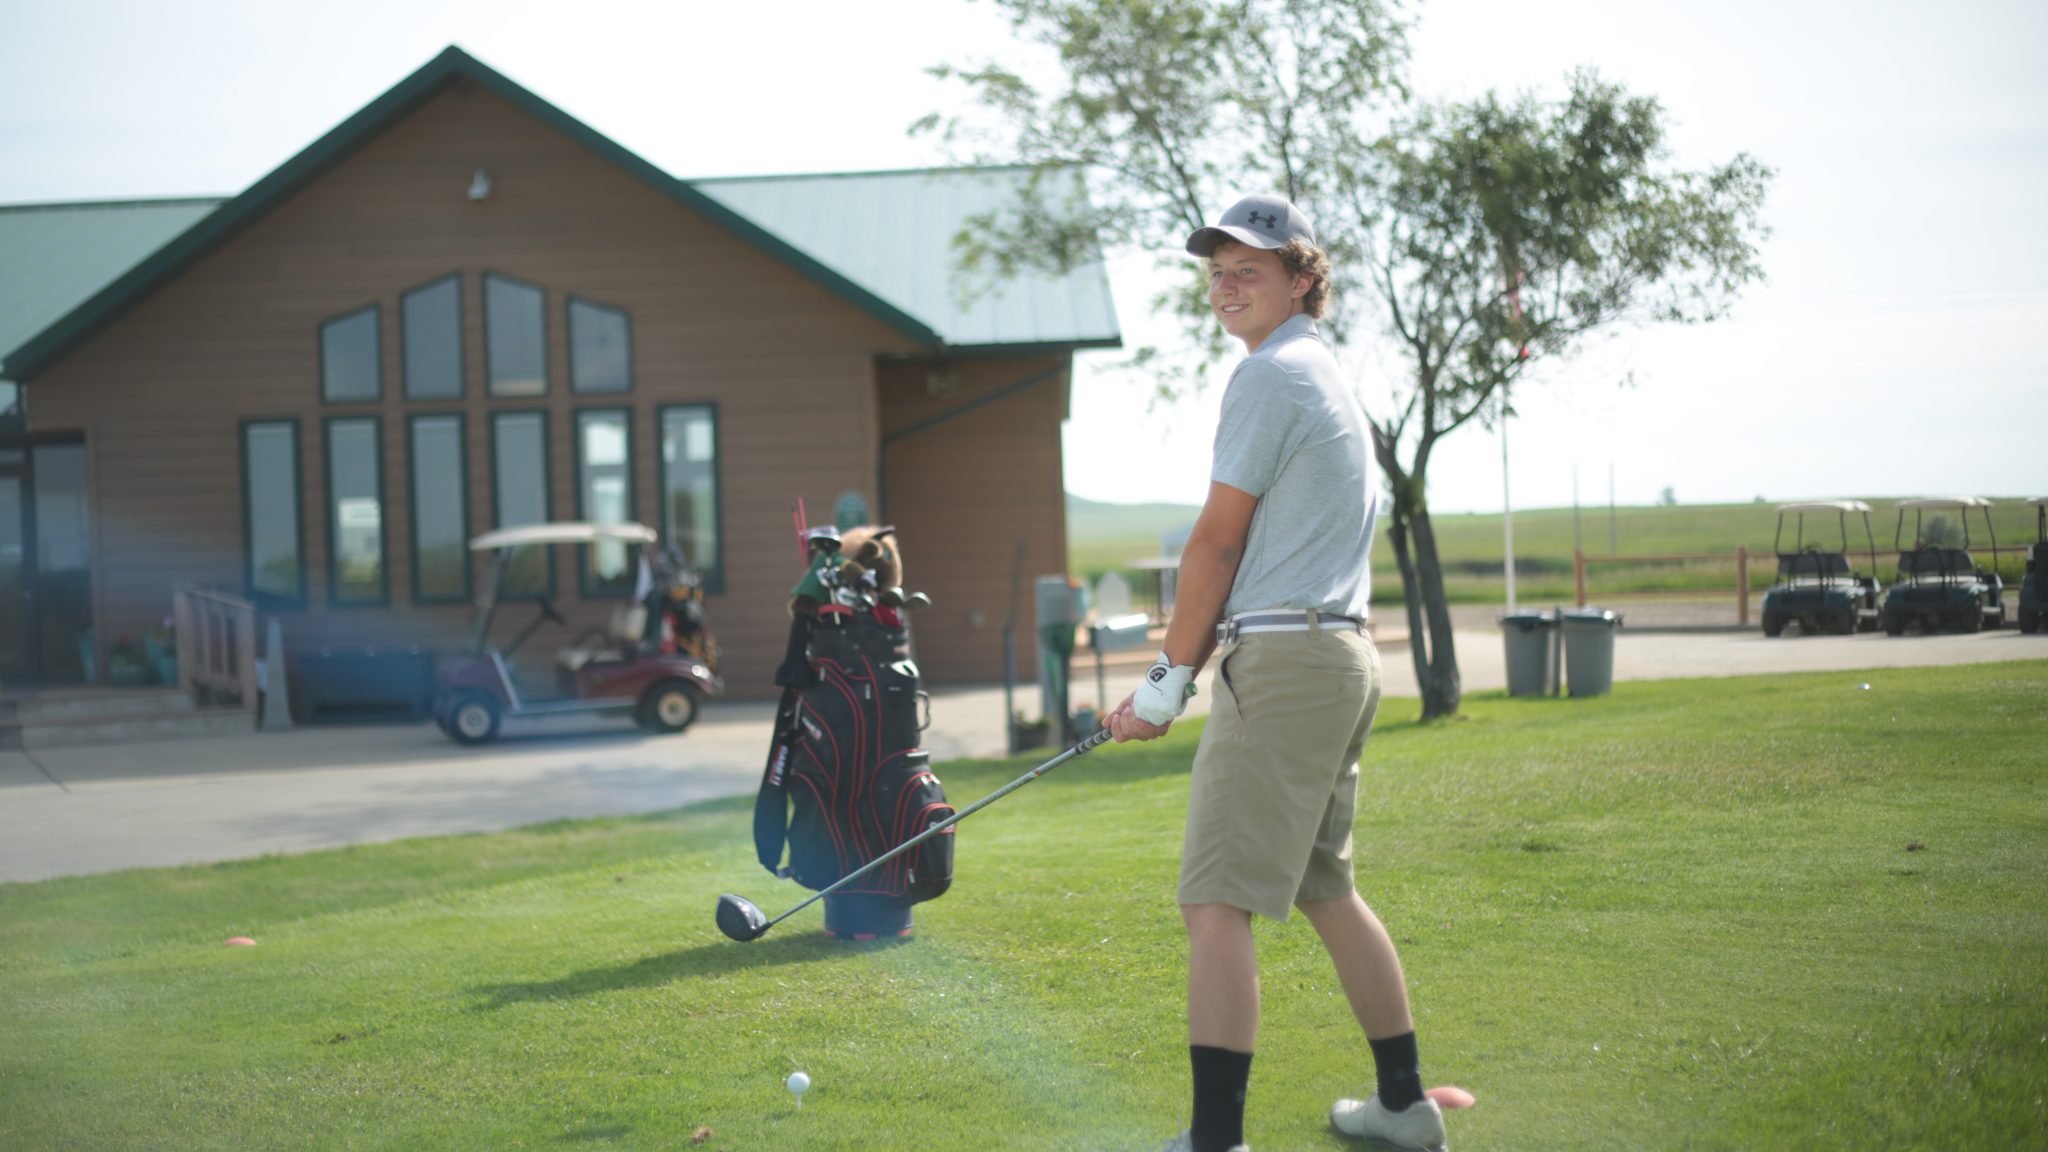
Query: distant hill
{"x": 1101, "y": 537}
{"x": 1089, "y": 521}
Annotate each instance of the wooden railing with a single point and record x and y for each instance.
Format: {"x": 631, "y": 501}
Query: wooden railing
{"x": 216, "y": 645}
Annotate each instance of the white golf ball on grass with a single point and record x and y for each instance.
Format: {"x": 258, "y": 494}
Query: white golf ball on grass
{"x": 799, "y": 1083}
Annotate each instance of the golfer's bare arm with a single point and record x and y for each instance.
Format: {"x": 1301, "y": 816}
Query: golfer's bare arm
{"x": 1208, "y": 567}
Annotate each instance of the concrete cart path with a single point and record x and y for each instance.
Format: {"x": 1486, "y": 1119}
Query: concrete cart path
{"x": 74, "y": 811}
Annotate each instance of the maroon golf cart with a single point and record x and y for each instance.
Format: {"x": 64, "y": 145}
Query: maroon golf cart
{"x": 655, "y": 662}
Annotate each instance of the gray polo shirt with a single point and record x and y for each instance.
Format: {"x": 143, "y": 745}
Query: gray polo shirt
{"x": 1294, "y": 435}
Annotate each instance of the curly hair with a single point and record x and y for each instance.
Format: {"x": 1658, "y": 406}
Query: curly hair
{"x": 1302, "y": 258}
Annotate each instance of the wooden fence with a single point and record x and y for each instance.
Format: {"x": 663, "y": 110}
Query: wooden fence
{"x": 1742, "y": 558}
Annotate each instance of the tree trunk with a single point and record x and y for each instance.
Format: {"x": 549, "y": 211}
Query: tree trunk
{"x": 1430, "y": 646}
{"x": 1443, "y": 689}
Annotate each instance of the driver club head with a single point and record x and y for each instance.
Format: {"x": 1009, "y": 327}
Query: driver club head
{"x": 739, "y": 919}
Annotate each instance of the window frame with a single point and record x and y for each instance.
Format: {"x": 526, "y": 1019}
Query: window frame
{"x": 546, "y": 352}
{"x": 547, "y": 486}
{"x": 412, "y": 505}
{"x": 569, "y": 323}
{"x": 334, "y": 596}
{"x": 584, "y": 587}
{"x": 376, "y": 310}
{"x": 405, "y": 343}
{"x": 714, "y": 578}
{"x": 262, "y": 599}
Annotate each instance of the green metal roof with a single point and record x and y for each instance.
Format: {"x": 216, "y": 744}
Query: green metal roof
{"x": 54, "y": 257}
{"x": 892, "y": 234}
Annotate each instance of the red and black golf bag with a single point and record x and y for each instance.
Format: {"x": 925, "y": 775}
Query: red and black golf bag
{"x": 846, "y": 781}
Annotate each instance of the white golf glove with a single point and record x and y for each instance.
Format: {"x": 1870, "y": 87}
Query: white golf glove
{"x": 1165, "y": 691}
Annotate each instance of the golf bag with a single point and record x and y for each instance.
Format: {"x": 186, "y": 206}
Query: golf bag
{"x": 846, "y": 781}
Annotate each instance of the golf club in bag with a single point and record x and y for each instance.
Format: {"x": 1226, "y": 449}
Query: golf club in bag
{"x": 741, "y": 919}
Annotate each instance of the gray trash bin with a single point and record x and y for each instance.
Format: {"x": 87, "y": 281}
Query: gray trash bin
{"x": 1531, "y": 639}
{"x": 1589, "y": 650}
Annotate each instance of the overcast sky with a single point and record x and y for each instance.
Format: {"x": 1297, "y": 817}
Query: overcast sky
{"x": 1898, "y": 348}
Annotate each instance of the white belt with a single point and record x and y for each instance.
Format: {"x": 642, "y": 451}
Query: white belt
{"x": 1252, "y": 623}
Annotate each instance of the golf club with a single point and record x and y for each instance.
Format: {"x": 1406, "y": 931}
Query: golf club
{"x": 743, "y": 920}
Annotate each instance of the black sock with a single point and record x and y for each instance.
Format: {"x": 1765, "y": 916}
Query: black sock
{"x": 1220, "y": 1079}
{"x": 1400, "y": 1070}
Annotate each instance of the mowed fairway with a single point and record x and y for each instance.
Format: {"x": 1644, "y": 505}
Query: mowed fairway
{"x": 1776, "y": 912}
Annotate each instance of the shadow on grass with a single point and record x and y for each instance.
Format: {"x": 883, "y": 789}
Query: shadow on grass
{"x": 719, "y": 958}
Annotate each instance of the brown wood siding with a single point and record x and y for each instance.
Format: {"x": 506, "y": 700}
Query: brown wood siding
{"x": 160, "y": 392}
{"x": 963, "y": 492}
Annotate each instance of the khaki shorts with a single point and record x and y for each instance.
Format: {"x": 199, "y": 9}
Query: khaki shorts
{"x": 1276, "y": 775}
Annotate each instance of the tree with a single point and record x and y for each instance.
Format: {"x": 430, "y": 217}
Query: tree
{"x": 1169, "y": 106}
{"x": 1493, "y": 235}
{"x": 1940, "y": 532}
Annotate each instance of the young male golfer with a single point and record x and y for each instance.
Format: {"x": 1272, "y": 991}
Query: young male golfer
{"x": 1279, "y": 556}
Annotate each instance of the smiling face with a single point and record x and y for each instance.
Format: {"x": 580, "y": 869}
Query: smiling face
{"x": 1251, "y": 292}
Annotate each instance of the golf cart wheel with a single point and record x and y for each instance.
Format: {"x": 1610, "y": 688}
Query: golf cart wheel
{"x": 2030, "y": 622}
{"x": 473, "y": 719}
{"x": 1997, "y": 621}
{"x": 669, "y": 706}
{"x": 1894, "y": 625}
{"x": 1774, "y": 624}
{"x": 1845, "y": 624}
{"x": 1972, "y": 619}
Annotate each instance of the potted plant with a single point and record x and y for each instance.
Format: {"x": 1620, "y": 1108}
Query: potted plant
{"x": 127, "y": 665}
{"x": 1030, "y": 733}
{"x": 162, "y": 646}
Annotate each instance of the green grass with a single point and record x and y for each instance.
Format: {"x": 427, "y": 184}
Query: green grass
{"x": 1102, "y": 537}
{"x": 1777, "y": 912}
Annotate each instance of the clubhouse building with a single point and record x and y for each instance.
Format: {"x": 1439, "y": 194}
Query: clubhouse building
{"x": 463, "y": 309}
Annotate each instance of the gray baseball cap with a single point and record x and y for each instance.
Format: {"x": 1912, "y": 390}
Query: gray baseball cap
{"x": 1260, "y": 221}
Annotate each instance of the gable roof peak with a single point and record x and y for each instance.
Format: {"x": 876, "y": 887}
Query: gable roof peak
{"x": 342, "y": 141}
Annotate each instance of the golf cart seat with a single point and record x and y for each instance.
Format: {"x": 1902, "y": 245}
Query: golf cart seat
{"x": 622, "y": 639}
{"x": 1793, "y": 566}
{"x": 1937, "y": 562}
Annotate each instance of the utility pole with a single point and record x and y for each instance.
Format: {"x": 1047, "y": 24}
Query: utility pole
{"x": 1576, "y": 547}
{"x": 1506, "y": 501}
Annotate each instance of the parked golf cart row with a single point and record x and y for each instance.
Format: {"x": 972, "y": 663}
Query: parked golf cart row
{"x": 1936, "y": 586}
{"x": 655, "y": 662}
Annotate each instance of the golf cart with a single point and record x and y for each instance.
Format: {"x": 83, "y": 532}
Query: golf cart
{"x": 1815, "y": 585}
{"x": 638, "y": 666}
{"x": 2033, "y": 608}
{"x": 1942, "y": 587}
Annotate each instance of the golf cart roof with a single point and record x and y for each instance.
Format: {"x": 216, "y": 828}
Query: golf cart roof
{"x": 1946, "y": 503}
{"x": 1826, "y": 506}
{"x": 526, "y": 535}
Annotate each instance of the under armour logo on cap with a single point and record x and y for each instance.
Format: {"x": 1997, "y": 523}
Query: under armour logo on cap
{"x": 1273, "y": 223}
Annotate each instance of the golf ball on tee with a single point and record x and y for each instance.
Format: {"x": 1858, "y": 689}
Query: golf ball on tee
{"x": 799, "y": 1083}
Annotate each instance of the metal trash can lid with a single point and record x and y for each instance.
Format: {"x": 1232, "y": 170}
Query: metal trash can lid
{"x": 1527, "y": 621}
{"x": 1586, "y": 617}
